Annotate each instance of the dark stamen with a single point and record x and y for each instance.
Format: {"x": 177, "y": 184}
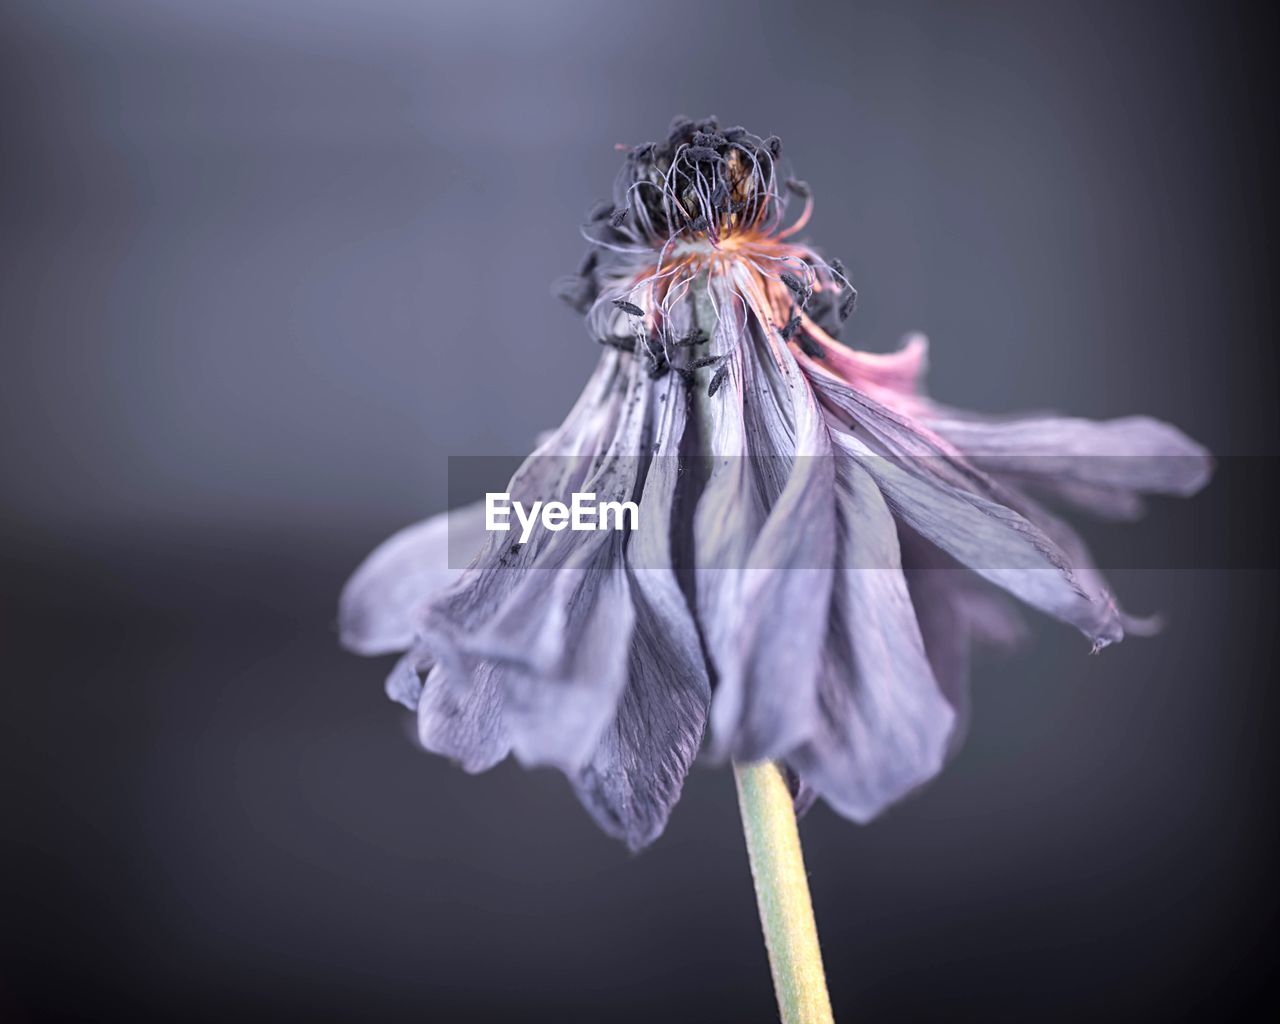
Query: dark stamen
{"x": 628, "y": 307}
{"x": 798, "y": 288}
{"x": 717, "y": 381}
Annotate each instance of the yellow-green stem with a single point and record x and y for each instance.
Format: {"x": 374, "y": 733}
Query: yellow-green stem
{"x": 782, "y": 892}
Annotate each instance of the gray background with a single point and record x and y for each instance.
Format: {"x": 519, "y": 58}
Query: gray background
{"x": 267, "y": 265}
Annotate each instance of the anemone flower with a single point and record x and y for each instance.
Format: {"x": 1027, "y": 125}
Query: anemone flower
{"x": 817, "y": 548}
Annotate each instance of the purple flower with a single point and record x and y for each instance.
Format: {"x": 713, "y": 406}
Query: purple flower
{"x": 818, "y": 543}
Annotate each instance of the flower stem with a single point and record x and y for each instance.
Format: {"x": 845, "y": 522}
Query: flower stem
{"x": 782, "y": 892}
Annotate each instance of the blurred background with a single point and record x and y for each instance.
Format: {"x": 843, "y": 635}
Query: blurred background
{"x": 266, "y": 265}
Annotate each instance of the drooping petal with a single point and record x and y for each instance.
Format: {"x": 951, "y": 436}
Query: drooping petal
{"x": 556, "y": 469}
{"x": 557, "y": 717}
{"x": 564, "y": 627}
{"x": 1100, "y": 466}
{"x": 1087, "y": 573}
{"x": 637, "y": 771}
{"x": 379, "y": 606}
{"x": 404, "y": 683}
{"x": 891, "y": 376}
{"x": 933, "y": 490}
{"x": 474, "y": 593}
{"x": 956, "y": 610}
{"x": 884, "y": 724}
{"x": 764, "y": 615}
{"x": 463, "y": 719}
{"x": 458, "y": 719}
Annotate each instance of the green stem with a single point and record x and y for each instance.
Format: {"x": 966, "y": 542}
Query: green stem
{"x": 782, "y": 892}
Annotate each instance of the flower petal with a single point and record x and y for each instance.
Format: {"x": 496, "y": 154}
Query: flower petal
{"x": 463, "y": 719}
{"x": 567, "y": 591}
{"x": 1099, "y": 466}
{"x": 933, "y": 490}
{"x": 635, "y": 775}
{"x": 1087, "y": 573}
{"x": 884, "y": 724}
{"x": 955, "y": 609}
{"x": 557, "y": 717}
{"x": 563, "y": 627}
{"x": 385, "y": 604}
{"x": 379, "y": 606}
{"x": 459, "y": 719}
{"x": 764, "y": 533}
{"x": 637, "y": 772}
{"x": 892, "y": 373}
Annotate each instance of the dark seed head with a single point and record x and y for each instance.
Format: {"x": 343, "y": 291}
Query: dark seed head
{"x": 703, "y": 154}
{"x": 680, "y": 125}
{"x": 700, "y": 178}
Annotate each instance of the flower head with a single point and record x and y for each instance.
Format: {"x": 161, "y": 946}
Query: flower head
{"x": 818, "y": 543}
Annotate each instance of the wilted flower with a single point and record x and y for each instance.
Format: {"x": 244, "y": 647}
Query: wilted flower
{"x": 818, "y": 545}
